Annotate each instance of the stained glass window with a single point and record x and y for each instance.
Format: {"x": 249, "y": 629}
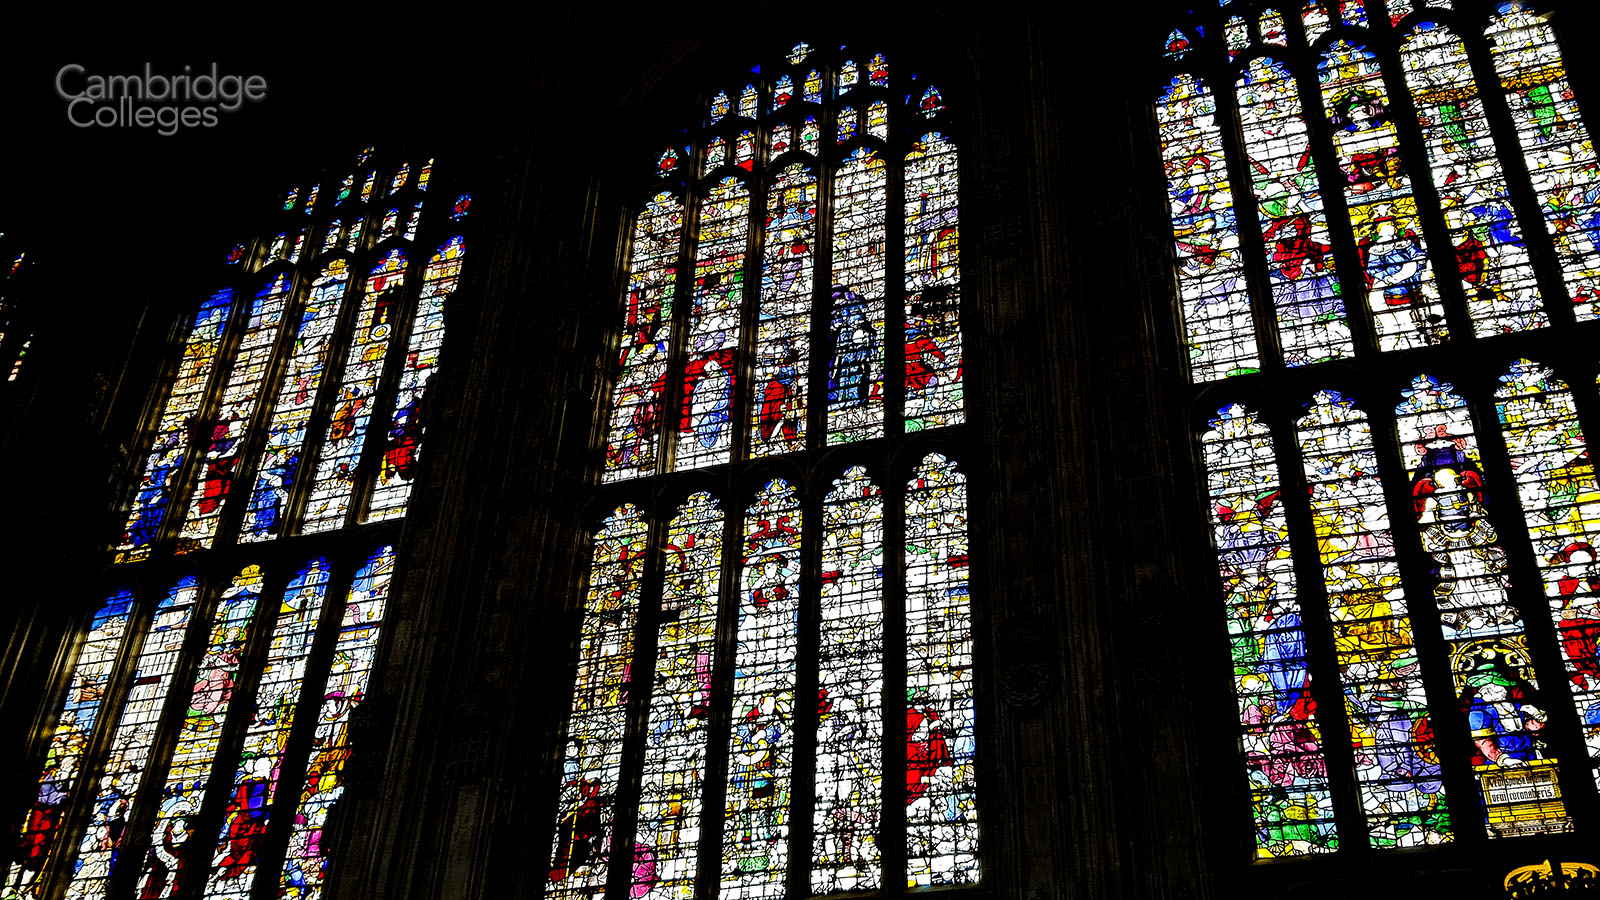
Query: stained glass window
{"x": 205, "y": 730}
{"x": 1404, "y": 547}
{"x": 800, "y": 692}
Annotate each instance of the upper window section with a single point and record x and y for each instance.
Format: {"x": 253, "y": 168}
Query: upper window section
{"x": 804, "y": 243}
{"x": 1348, "y": 179}
{"x": 298, "y": 404}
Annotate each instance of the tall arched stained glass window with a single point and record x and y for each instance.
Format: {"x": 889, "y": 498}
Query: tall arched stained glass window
{"x": 772, "y": 700}
{"x": 1403, "y": 538}
{"x": 204, "y": 735}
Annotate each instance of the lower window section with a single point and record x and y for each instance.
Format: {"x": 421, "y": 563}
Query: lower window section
{"x": 771, "y": 760}
{"x": 191, "y": 778}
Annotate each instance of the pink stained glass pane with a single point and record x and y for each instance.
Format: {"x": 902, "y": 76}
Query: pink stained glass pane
{"x": 1397, "y": 275}
{"x": 239, "y": 398}
{"x": 305, "y": 863}
{"x": 199, "y": 737}
{"x": 845, "y": 854}
{"x": 402, "y": 446}
{"x": 634, "y": 437}
{"x": 282, "y": 458}
{"x": 339, "y": 456}
{"x": 705, "y": 428}
{"x": 1397, "y": 766}
{"x": 1560, "y": 498}
{"x": 171, "y": 445}
{"x": 672, "y": 781}
{"x": 855, "y": 369}
{"x": 755, "y": 837}
{"x": 933, "y": 388}
{"x": 1557, "y": 147}
{"x": 69, "y": 742}
{"x": 1280, "y": 732}
{"x": 1492, "y": 260}
{"x": 1306, "y": 299}
{"x": 783, "y": 324}
{"x": 941, "y": 739}
{"x": 591, "y": 769}
{"x": 1491, "y": 671}
{"x": 1218, "y": 328}
{"x": 131, "y": 743}
{"x": 253, "y": 791}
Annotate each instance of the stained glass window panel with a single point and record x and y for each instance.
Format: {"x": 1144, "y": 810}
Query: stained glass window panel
{"x": 1401, "y": 294}
{"x": 592, "y": 770}
{"x": 783, "y": 325}
{"x": 855, "y": 370}
{"x": 1306, "y": 296}
{"x": 402, "y": 446}
{"x": 254, "y": 787}
{"x": 941, "y": 743}
{"x": 636, "y": 400}
{"x": 131, "y": 743}
{"x": 1217, "y": 323}
{"x": 340, "y": 452}
{"x": 933, "y": 395}
{"x": 705, "y": 432}
{"x": 239, "y": 398}
{"x": 849, "y": 763}
{"x": 755, "y": 840}
{"x": 1491, "y": 670}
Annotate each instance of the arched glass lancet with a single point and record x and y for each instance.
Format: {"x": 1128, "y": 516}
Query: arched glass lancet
{"x": 796, "y": 739}
{"x": 845, "y": 855}
{"x": 590, "y": 777}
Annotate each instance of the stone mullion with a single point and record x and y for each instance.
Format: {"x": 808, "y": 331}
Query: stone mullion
{"x": 378, "y": 424}
{"x": 892, "y": 819}
{"x": 1453, "y": 739}
{"x": 682, "y": 302}
{"x": 1525, "y": 203}
{"x": 58, "y": 866}
{"x": 641, "y": 689}
{"x": 744, "y": 362}
{"x": 204, "y": 825}
{"x": 708, "y": 870}
{"x": 181, "y": 485}
{"x": 802, "y": 778}
{"x": 1322, "y": 659}
{"x": 333, "y": 372}
{"x": 1247, "y": 224}
{"x": 1416, "y": 162}
{"x": 274, "y": 843}
{"x": 1353, "y": 289}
